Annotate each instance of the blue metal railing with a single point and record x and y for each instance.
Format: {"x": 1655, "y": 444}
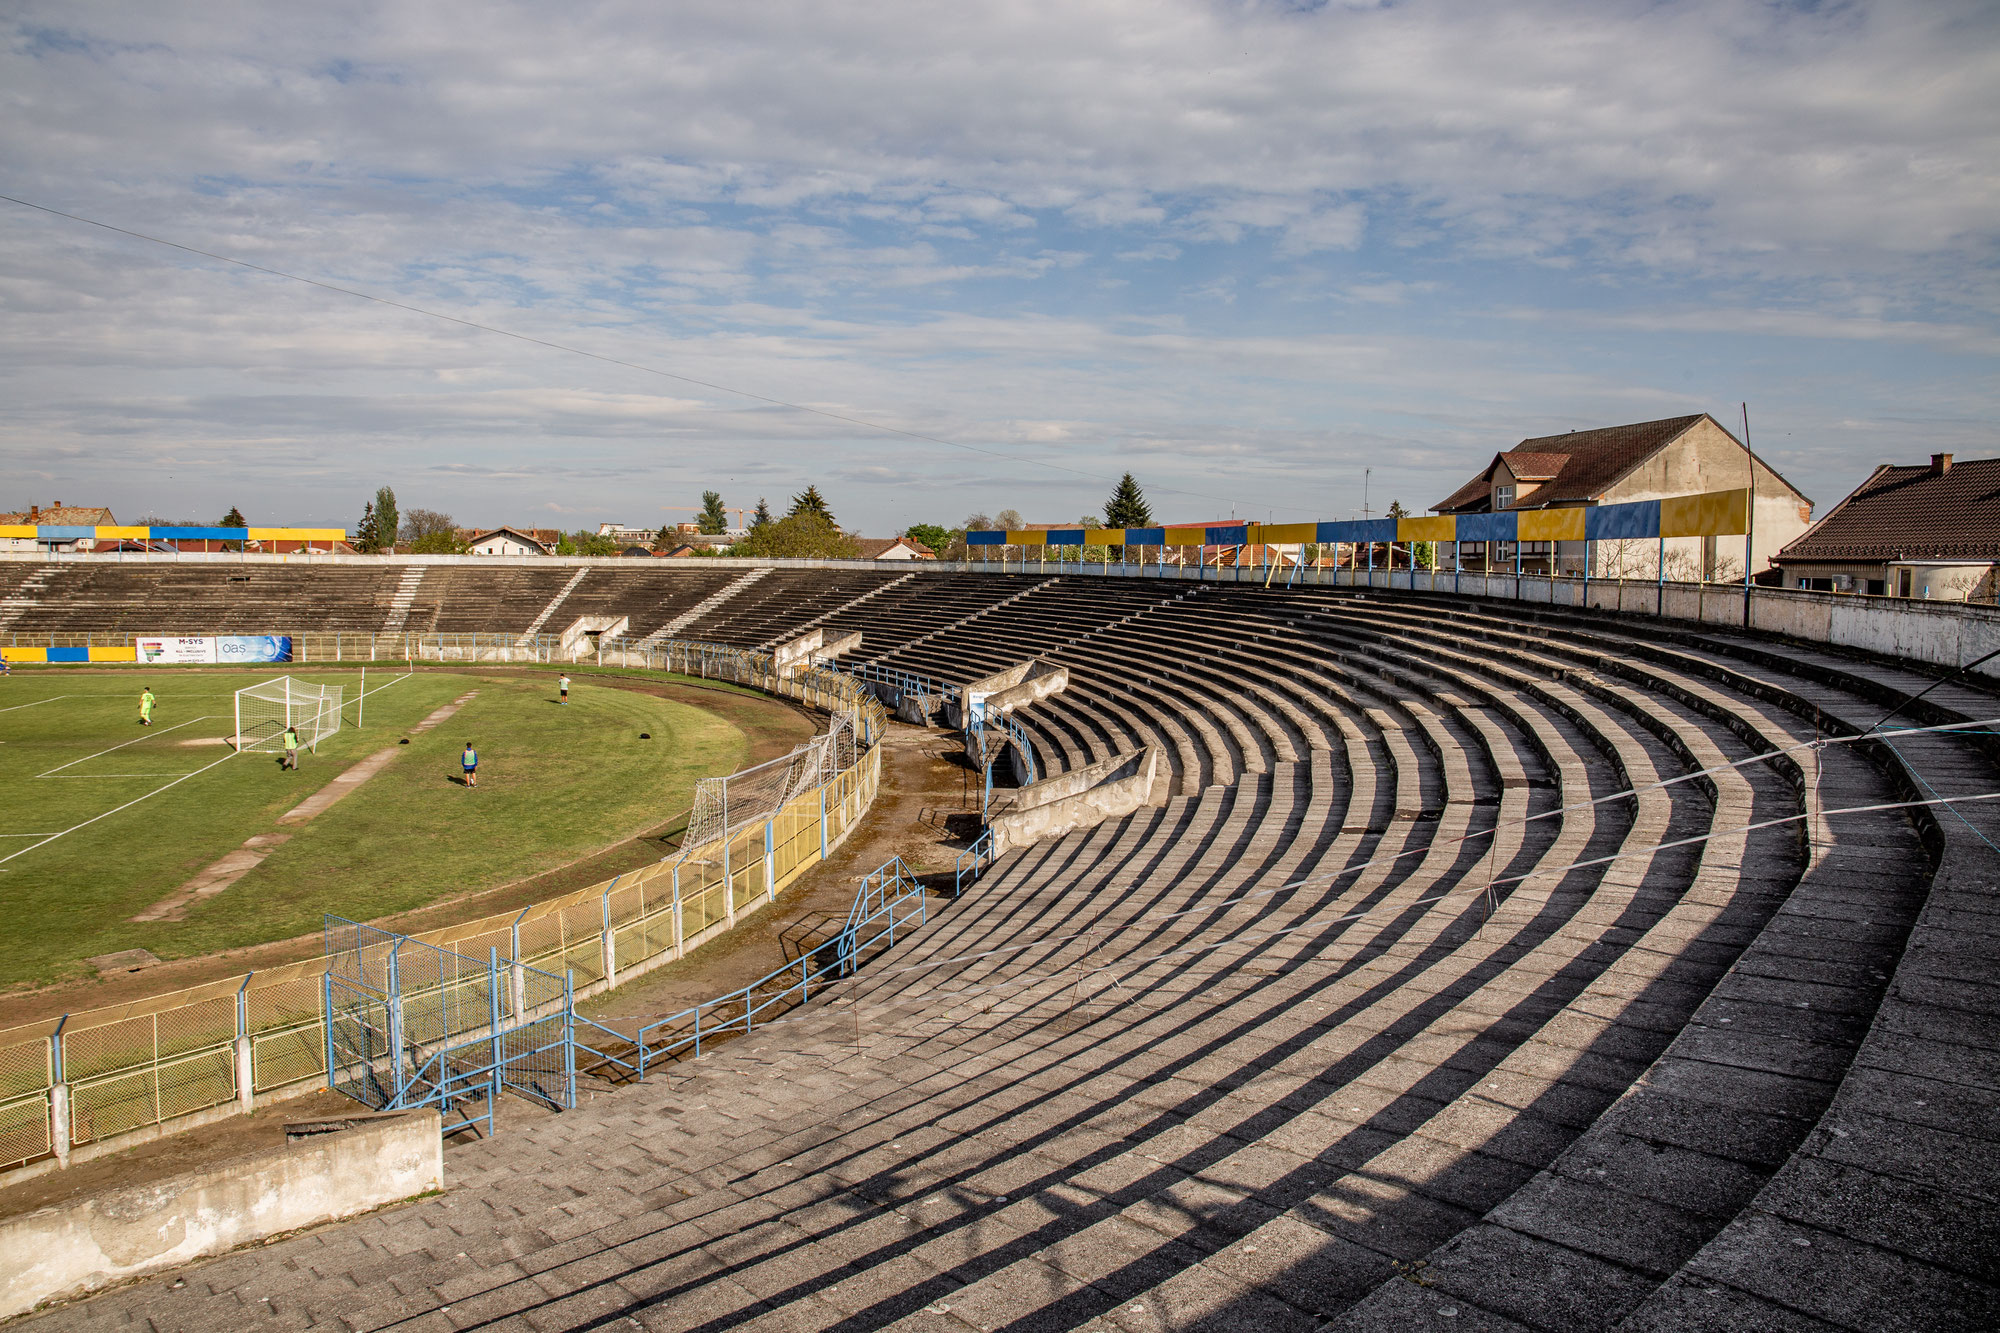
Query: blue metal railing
{"x": 903, "y": 682}
{"x": 981, "y": 856}
{"x": 889, "y": 898}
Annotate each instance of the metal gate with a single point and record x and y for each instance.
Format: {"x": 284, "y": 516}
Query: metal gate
{"x": 410, "y": 1024}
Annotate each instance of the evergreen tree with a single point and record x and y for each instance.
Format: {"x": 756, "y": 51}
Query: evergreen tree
{"x": 714, "y": 518}
{"x": 666, "y": 538}
{"x": 364, "y": 531}
{"x": 1127, "y": 507}
{"x": 1396, "y": 509}
{"x": 386, "y": 520}
{"x": 233, "y": 519}
{"x": 763, "y": 514}
{"x": 810, "y": 501}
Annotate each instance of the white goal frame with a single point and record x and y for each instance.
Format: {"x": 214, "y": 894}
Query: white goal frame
{"x": 275, "y": 705}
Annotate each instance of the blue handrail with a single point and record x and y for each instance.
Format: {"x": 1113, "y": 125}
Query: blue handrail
{"x": 879, "y": 902}
{"x": 981, "y": 852}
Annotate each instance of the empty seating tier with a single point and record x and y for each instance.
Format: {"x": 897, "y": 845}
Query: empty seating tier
{"x": 1478, "y": 967}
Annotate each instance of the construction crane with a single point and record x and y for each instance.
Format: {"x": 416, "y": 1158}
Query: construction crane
{"x": 699, "y": 509}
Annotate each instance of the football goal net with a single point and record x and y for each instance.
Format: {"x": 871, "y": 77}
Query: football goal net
{"x": 263, "y": 712}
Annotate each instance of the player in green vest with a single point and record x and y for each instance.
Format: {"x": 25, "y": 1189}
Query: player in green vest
{"x": 146, "y": 707}
{"x": 291, "y": 747}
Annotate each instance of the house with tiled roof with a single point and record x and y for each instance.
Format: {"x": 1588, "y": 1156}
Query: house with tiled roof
{"x": 1648, "y": 460}
{"x": 58, "y": 515}
{"x": 894, "y": 548}
{"x": 1911, "y": 530}
{"x": 506, "y": 541}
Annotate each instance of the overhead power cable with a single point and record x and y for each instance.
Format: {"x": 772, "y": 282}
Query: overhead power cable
{"x": 643, "y": 369}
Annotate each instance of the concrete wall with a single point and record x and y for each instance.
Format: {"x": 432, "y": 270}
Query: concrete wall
{"x": 1082, "y": 798}
{"x": 79, "y": 1247}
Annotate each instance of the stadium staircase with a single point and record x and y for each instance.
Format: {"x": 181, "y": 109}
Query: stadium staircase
{"x": 1420, "y": 1002}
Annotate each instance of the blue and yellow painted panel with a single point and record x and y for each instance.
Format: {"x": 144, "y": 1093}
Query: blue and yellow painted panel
{"x": 1551, "y": 525}
{"x": 1715, "y": 514}
{"x": 68, "y": 655}
{"x": 1442, "y": 528}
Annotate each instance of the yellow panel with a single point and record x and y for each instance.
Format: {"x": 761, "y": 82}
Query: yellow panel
{"x": 114, "y": 654}
{"x": 1185, "y": 537}
{"x": 1285, "y": 532}
{"x": 298, "y": 534}
{"x": 1551, "y": 525}
{"x": 1714, "y": 514}
{"x": 17, "y": 530}
{"x": 1028, "y": 539}
{"x": 23, "y": 654}
{"x": 1440, "y": 528}
{"x": 1104, "y": 536}
{"x": 117, "y": 534}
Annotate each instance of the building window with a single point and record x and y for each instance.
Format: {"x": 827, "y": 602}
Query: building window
{"x": 1503, "y": 497}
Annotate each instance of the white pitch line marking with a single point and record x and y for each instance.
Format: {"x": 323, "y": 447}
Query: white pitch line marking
{"x": 51, "y": 699}
{"x": 108, "y": 813}
{"x": 150, "y": 733}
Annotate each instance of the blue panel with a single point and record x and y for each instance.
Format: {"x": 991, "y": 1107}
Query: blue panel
{"x": 62, "y": 533}
{"x": 1145, "y": 536}
{"x": 1065, "y": 536}
{"x": 971, "y": 538}
{"x": 1500, "y": 527}
{"x": 202, "y": 534}
{"x": 1641, "y": 518}
{"x": 1237, "y": 534}
{"x": 69, "y": 654}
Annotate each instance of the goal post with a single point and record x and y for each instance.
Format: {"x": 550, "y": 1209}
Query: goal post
{"x": 264, "y": 711}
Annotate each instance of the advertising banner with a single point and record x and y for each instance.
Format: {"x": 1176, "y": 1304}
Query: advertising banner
{"x": 253, "y": 648}
{"x": 173, "y": 650}
{"x": 208, "y": 650}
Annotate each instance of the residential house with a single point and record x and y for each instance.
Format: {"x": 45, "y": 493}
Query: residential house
{"x": 506, "y": 541}
{"x": 894, "y": 548}
{"x": 76, "y": 525}
{"x": 1910, "y": 530}
{"x": 1648, "y": 460}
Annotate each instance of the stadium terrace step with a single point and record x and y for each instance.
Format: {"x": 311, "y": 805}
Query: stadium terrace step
{"x": 715, "y": 598}
{"x": 406, "y": 593}
{"x": 562, "y": 595}
{"x": 844, "y": 608}
{"x": 1421, "y": 994}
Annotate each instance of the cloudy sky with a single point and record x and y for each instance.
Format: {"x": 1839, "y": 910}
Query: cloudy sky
{"x": 1247, "y": 251}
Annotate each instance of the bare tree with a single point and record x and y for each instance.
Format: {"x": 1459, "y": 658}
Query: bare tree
{"x": 420, "y": 523}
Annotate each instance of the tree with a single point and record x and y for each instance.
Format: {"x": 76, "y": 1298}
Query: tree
{"x": 763, "y": 514}
{"x": 798, "y": 536}
{"x": 714, "y": 519}
{"x": 810, "y": 501}
{"x": 421, "y": 523}
{"x": 978, "y": 523}
{"x": 1008, "y": 520}
{"x": 1127, "y": 507}
{"x": 384, "y": 534}
{"x": 437, "y": 543}
{"x": 233, "y": 519}
{"x": 666, "y": 538}
{"x": 585, "y": 542}
{"x": 364, "y": 531}
{"x": 931, "y": 535}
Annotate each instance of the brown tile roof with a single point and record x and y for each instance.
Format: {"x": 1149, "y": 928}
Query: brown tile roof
{"x": 1476, "y": 496}
{"x": 67, "y": 516}
{"x": 1530, "y": 466}
{"x": 1911, "y": 513}
{"x": 1591, "y": 461}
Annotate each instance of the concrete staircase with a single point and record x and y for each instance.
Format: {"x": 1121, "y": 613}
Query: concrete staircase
{"x": 535, "y": 625}
{"x": 702, "y": 608}
{"x": 405, "y": 596}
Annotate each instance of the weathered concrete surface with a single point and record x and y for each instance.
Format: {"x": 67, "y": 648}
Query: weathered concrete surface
{"x": 1032, "y": 689}
{"x": 1082, "y": 798}
{"x": 84, "y": 1246}
{"x": 812, "y": 646}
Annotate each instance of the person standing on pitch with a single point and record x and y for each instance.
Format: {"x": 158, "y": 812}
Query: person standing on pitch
{"x": 562, "y": 683}
{"x": 291, "y": 747}
{"x": 146, "y": 707}
{"x": 469, "y": 761}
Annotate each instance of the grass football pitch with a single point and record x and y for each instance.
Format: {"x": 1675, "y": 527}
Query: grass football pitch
{"x": 101, "y": 818}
